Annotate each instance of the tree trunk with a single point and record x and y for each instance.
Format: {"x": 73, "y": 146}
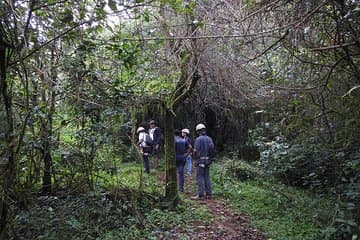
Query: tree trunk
{"x": 46, "y": 126}
{"x": 47, "y": 123}
{"x": 171, "y": 193}
{"x": 46, "y": 185}
{"x": 9, "y": 173}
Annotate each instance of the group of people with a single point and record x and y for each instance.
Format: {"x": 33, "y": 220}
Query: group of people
{"x": 185, "y": 150}
{"x": 150, "y": 142}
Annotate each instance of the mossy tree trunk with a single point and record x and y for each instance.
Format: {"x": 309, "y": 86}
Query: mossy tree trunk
{"x": 171, "y": 193}
{"x": 9, "y": 170}
{"x": 187, "y": 56}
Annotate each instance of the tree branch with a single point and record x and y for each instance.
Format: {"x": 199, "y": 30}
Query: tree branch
{"x": 47, "y": 43}
{"x": 333, "y": 46}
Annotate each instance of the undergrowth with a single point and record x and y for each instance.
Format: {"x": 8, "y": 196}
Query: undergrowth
{"x": 280, "y": 211}
{"x": 121, "y": 207}
{"x": 126, "y": 206}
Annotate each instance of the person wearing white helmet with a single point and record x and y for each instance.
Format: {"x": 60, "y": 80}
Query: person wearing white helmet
{"x": 186, "y": 135}
{"x": 200, "y": 127}
{"x": 140, "y": 129}
{"x": 145, "y": 147}
{"x": 182, "y": 149}
{"x": 203, "y": 151}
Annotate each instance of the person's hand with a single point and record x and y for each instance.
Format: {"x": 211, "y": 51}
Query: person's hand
{"x": 157, "y": 146}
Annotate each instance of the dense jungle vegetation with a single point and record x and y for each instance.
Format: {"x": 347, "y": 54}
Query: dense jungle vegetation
{"x": 276, "y": 82}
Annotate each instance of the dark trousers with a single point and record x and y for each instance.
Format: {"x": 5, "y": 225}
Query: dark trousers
{"x": 146, "y": 154}
{"x": 203, "y": 180}
{"x": 180, "y": 165}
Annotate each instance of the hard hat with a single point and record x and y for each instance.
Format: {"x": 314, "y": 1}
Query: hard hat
{"x": 140, "y": 129}
{"x": 185, "y": 130}
{"x": 200, "y": 126}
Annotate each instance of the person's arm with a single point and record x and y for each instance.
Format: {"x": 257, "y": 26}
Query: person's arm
{"x": 188, "y": 148}
{"x": 196, "y": 148}
{"x": 141, "y": 138}
{"x": 212, "y": 148}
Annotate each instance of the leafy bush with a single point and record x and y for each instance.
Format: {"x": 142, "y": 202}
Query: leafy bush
{"x": 280, "y": 211}
{"x": 321, "y": 169}
{"x": 240, "y": 170}
{"x": 112, "y": 211}
{"x": 71, "y": 216}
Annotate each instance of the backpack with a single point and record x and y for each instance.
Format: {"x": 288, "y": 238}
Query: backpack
{"x": 147, "y": 139}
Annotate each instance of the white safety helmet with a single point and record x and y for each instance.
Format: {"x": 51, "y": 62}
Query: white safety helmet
{"x": 185, "y": 130}
{"x": 200, "y": 126}
{"x": 140, "y": 129}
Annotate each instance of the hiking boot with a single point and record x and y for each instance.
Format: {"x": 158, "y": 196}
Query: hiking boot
{"x": 208, "y": 196}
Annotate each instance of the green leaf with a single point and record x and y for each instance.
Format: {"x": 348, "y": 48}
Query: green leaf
{"x": 74, "y": 223}
{"x": 351, "y": 223}
{"x": 146, "y": 16}
{"x": 112, "y": 5}
{"x": 329, "y": 85}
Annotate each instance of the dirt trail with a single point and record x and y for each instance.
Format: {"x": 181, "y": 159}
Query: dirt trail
{"x": 226, "y": 224}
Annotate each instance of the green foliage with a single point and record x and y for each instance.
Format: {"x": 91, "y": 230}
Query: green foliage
{"x": 112, "y": 211}
{"x": 282, "y": 212}
{"x": 96, "y": 73}
{"x": 309, "y": 165}
{"x": 239, "y": 170}
{"x": 73, "y": 216}
{"x": 322, "y": 170}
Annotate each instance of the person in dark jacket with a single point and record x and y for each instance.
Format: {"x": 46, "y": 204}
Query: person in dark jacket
{"x": 203, "y": 150}
{"x": 156, "y": 137}
{"x": 182, "y": 148}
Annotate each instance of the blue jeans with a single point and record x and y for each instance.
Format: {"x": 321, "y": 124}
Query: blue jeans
{"x": 203, "y": 180}
{"x": 189, "y": 165}
{"x": 180, "y": 165}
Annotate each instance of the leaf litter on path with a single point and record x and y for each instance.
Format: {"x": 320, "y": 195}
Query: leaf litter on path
{"x": 226, "y": 224}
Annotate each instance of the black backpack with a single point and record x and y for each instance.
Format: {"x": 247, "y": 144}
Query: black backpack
{"x": 147, "y": 139}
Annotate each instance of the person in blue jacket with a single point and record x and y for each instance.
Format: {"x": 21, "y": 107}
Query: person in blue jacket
{"x": 203, "y": 151}
{"x": 181, "y": 150}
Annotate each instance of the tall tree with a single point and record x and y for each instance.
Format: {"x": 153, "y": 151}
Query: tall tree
{"x": 26, "y": 27}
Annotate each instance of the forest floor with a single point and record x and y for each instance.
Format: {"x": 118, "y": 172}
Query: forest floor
{"x": 226, "y": 223}
{"x": 255, "y": 209}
